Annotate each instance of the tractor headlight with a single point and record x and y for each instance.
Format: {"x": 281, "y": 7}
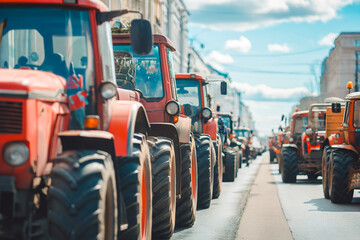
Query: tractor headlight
{"x": 206, "y": 113}
{"x": 16, "y": 154}
{"x": 309, "y": 132}
{"x": 107, "y": 90}
{"x": 172, "y": 108}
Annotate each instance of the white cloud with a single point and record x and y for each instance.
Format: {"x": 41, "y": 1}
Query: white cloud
{"x": 278, "y": 48}
{"x": 242, "y": 45}
{"x": 263, "y": 92}
{"x": 216, "y": 59}
{"x": 251, "y": 14}
{"x": 329, "y": 39}
{"x": 197, "y": 4}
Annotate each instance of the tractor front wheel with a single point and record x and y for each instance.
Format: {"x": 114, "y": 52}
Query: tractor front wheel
{"x": 186, "y": 205}
{"x": 82, "y": 199}
{"x": 340, "y": 163}
{"x": 205, "y": 169}
{"x": 164, "y": 186}
{"x": 325, "y": 170}
{"x": 289, "y": 165}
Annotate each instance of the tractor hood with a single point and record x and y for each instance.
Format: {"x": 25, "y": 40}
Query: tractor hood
{"x": 32, "y": 84}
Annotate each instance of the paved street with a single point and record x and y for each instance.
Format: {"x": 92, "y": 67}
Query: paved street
{"x": 259, "y": 206}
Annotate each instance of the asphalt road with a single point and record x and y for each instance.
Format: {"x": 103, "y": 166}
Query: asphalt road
{"x": 221, "y": 220}
{"x": 311, "y": 216}
{"x": 258, "y": 205}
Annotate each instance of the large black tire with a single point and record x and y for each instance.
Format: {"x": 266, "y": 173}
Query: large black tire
{"x": 272, "y": 155}
{"x": 164, "y": 186}
{"x": 136, "y": 183}
{"x": 230, "y": 165}
{"x": 82, "y": 201}
{"x": 289, "y": 165}
{"x": 325, "y": 170}
{"x": 340, "y": 162}
{"x": 205, "y": 170}
{"x": 187, "y": 204}
{"x": 218, "y": 169}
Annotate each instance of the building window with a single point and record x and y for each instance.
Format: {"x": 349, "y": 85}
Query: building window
{"x": 158, "y": 12}
{"x": 357, "y": 43}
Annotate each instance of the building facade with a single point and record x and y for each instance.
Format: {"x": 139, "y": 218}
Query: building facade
{"x": 341, "y": 66}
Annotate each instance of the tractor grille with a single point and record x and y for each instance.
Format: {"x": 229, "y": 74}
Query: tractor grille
{"x": 11, "y": 117}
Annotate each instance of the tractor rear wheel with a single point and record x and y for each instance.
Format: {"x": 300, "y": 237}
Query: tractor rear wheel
{"x": 289, "y": 165}
{"x": 218, "y": 169}
{"x": 164, "y": 186}
{"x": 186, "y": 205}
{"x": 340, "y": 163}
{"x": 136, "y": 183}
{"x": 325, "y": 170}
{"x": 82, "y": 199}
{"x": 205, "y": 170}
{"x": 230, "y": 165}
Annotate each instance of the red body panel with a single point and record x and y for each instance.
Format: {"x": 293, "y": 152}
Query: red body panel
{"x": 96, "y": 4}
{"x": 122, "y": 125}
{"x": 155, "y": 109}
{"x": 44, "y": 114}
{"x": 211, "y": 128}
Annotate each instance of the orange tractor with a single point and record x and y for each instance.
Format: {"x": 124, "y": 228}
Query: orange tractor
{"x": 302, "y": 153}
{"x": 173, "y": 151}
{"x": 341, "y": 152}
{"x": 192, "y": 93}
{"x": 74, "y": 162}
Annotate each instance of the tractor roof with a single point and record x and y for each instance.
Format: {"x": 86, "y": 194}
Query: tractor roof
{"x": 352, "y": 96}
{"x": 97, "y": 4}
{"x": 189, "y": 76}
{"x": 300, "y": 114}
{"x": 122, "y": 38}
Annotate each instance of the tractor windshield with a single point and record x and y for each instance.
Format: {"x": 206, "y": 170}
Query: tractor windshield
{"x": 300, "y": 125}
{"x": 54, "y": 40}
{"x": 145, "y": 69}
{"x": 188, "y": 92}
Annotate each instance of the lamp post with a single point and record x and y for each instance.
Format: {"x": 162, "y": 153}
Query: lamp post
{"x": 356, "y": 71}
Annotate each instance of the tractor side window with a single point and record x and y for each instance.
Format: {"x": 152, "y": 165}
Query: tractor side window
{"x": 15, "y": 55}
{"x": 106, "y": 52}
{"x": 172, "y": 73}
{"x": 357, "y": 113}
{"x": 346, "y": 114}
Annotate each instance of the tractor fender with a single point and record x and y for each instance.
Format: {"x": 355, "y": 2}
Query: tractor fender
{"x": 169, "y": 130}
{"x": 127, "y": 117}
{"x": 210, "y": 128}
{"x": 289, "y": 145}
{"x": 88, "y": 140}
{"x": 345, "y": 146}
{"x": 184, "y": 129}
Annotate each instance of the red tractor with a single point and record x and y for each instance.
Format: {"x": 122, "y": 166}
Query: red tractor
{"x": 232, "y": 148}
{"x": 174, "y": 173}
{"x": 74, "y": 162}
{"x": 192, "y": 93}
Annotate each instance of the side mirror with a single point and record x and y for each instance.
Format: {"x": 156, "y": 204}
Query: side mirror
{"x": 141, "y": 36}
{"x": 218, "y": 108}
{"x": 282, "y": 117}
{"x": 223, "y": 88}
{"x": 336, "y": 107}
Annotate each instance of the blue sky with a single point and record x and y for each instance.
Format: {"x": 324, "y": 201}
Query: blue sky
{"x": 272, "y": 49}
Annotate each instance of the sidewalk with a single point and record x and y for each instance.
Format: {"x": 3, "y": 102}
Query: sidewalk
{"x": 263, "y": 217}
